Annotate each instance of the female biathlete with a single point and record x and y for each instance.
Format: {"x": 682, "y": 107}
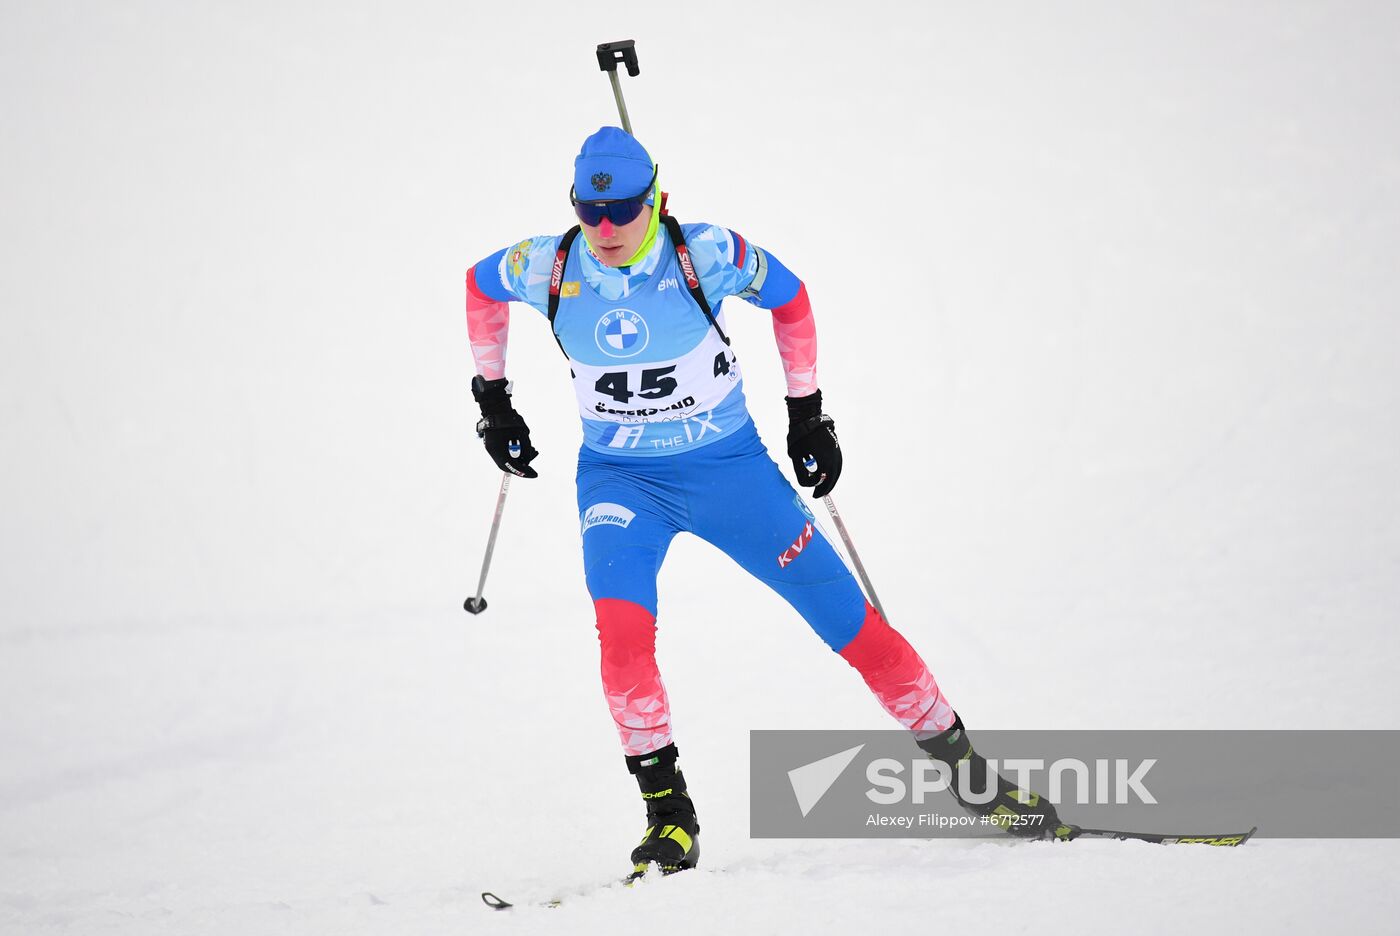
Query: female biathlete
{"x": 669, "y": 447}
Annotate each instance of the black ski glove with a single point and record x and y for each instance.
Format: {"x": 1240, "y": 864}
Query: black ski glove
{"x": 506, "y": 436}
{"x": 812, "y": 445}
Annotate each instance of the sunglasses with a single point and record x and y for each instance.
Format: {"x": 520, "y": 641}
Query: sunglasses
{"x": 619, "y": 211}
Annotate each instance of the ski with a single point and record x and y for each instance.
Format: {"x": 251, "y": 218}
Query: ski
{"x": 637, "y": 873}
{"x": 497, "y": 903}
{"x": 1226, "y": 840}
{"x": 1229, "y": 840}
{"x": 494, "y": 902}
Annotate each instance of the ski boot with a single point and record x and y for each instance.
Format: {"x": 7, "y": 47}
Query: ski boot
{"x": 672, "y": 839}
{"x": 1021, "y": 813}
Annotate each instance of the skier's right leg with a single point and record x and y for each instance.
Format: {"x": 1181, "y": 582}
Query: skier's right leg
{"x": 627, "y": 522}
{"x": 763, "y": 524}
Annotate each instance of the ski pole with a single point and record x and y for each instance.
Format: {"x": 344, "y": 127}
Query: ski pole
{"x": 609, "y": 54}
{"x": 855, "y": 556}
{"x": 478, "y": 604}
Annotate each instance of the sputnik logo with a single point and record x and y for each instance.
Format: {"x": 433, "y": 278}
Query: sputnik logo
{"x": 811, "y": 781}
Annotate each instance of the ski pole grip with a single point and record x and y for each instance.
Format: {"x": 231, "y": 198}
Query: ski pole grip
{"x": 625, "y": 51}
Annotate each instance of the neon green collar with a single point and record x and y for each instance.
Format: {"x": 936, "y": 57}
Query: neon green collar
{"x": 652, "y": 227}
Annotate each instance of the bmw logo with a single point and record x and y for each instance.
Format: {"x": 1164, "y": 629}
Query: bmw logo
{"x": 621, "y": 333}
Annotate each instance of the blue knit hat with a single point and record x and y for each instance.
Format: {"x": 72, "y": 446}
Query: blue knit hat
{"x": 611, "y": 164}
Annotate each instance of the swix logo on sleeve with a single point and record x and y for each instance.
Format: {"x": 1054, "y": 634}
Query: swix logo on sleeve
{"x": 556, "y": 275}
{"x": 795, "y": 550}
{"x": 691, "y": 280}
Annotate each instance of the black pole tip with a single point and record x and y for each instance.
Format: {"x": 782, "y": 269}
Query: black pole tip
{"x": 474, "y": 605}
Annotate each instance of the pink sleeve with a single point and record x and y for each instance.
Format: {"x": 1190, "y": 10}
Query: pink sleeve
{"x": 488, "y": 322}
{"x": 796, "y": 332}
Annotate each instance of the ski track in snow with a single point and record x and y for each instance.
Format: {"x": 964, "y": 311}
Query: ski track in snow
{"x": 818, "y": 888}
{"x": 348, "y": 792}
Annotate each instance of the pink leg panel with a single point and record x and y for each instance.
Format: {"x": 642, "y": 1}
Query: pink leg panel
{"x": 631, "y": 681}
{"x": 897, "y": 676}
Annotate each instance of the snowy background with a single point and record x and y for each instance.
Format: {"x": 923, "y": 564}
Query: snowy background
{"x": 1107, "y": 303}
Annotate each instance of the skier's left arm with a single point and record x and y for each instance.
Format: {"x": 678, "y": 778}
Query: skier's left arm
{"x": 728, "y": 265}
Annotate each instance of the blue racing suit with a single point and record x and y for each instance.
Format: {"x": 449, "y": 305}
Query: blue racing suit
{"x": 669, "y": 447}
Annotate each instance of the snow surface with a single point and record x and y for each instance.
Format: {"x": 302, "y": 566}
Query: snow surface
{"x": 1121, "y": 447}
